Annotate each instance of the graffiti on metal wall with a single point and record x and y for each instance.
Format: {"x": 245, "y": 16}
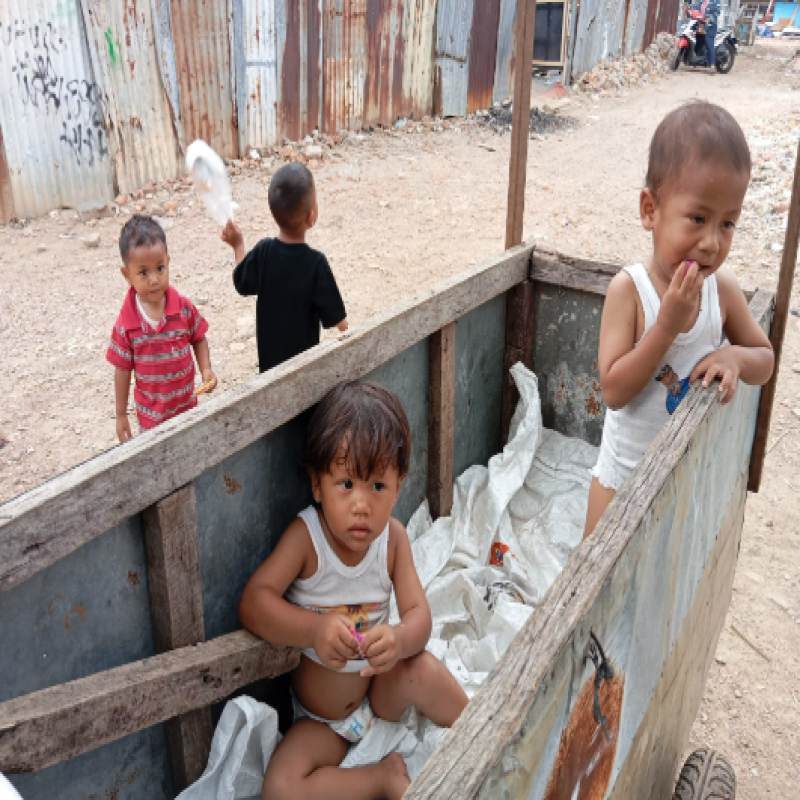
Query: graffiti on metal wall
{"x": 78, "y": 103}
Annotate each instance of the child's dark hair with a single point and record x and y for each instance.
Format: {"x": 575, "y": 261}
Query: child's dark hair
{"x": 291, "y": 195}
{"x": 368, "y": 422}
{"x": 138, "y": 230}
{"x": 694, "y": 133}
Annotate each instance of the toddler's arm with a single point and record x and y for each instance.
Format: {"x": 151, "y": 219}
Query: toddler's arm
{"x": 626, "y": 368}
{"x": 264, "y": 612}
{"x": 385, "y": 645}
{"x": 203, "y": 356}
{"x": 122, "y": 387}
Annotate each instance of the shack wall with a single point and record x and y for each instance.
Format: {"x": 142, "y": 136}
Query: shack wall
{"x": 91, "y": 611}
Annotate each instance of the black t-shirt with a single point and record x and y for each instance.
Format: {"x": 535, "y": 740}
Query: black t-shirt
{"x": 296, "y": 292}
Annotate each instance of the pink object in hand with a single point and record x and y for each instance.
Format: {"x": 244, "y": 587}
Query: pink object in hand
{"x": 359, "y": 637}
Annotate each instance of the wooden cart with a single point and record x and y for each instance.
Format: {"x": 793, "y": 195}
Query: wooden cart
{"x": 120, "y": 579}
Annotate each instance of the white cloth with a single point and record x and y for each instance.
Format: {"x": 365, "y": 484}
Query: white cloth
{"x": 7, "y": 791}
{"x": 629, "y": 431}
{"x": 531, "y": 500}
{"x": 353, "y": 728}
{"x": 361, "y": 592}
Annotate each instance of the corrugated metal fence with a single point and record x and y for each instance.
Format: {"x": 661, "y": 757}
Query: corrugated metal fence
{"x": 102, "y": 96}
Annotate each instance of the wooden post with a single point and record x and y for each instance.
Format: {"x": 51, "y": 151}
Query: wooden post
{"x": 441, "y": 420}
{"x": 519, "y": 302}
{"x": 176, "y": 604}
{"x": 782, "y": 302}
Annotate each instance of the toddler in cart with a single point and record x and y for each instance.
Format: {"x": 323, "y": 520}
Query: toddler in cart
{"x": 326, "y": 589}
{"x": 664, "y": 319}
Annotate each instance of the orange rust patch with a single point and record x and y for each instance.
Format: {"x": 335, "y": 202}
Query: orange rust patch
{"x": 133, "y": 578}
{"x": 232, "y": 486}
{"x": 585, "y": 757}
{"x": 79, "y": 610}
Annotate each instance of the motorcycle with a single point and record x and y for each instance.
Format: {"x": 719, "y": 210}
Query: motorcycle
{"x": 726, "y": 46}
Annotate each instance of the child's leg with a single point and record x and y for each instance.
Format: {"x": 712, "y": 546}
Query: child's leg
{"x": 599, "y": 499}
{"x": 305, "y": 766}
{"x": 421, "y": 681}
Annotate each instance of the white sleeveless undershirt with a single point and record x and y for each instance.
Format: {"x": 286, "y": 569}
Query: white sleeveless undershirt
{"x": 629, "y": 431}
{"x": 361, "y": 592}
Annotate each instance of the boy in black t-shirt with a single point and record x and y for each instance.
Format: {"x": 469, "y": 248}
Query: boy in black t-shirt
{"x": 295, "y": 286}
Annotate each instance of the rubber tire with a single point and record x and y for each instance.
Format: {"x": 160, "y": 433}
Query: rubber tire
{"x": 675, "y": 62}
{"x": 724, "y": 70}
{"x": 706, "y": 775}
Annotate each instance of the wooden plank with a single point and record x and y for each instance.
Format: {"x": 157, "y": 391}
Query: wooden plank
{"x": 59, "y": 723}
{"x": 572, "y": 272}
{"x": 519, "y": 345}
{"x": 496, "y": 722}
{"x": 441, "y": 420}
{"x": 783, "y": 300}
{"x": 520, "y": 123}
{"x": 176, "y": 607}
{"x": 56, "y": 518}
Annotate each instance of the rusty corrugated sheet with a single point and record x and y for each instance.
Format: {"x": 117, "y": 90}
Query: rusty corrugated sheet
{"x": 165, "y": 50}
{"x": 344, "y": 64}
{"x": 667, "y": 20}
{"x": 453, "y": 28}
{"x": 506, "y": 52}
{"x": 650, "y": 23}
{"x": 138, "y": 119}
{"x": 482, "y": 54}
{"x": 51, "y": 111}
{"x": 418, "y": 25}
{"x": 383, "y": 94}
{"x": 599, "y": 33}
{"x": 203, "y": 56}
{"x": 634, "y": 29}
{"x": 300, "y": 66}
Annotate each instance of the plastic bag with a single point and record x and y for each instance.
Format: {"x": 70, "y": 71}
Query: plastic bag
{"x": 211, "y": 181}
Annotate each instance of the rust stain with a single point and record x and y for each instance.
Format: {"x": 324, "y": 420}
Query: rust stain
{"x": 79, "y": 610}
{"x": 482, "y": 54}
{"x": 290, "y": 76}
{"x": 593, "y": 407}
{"x": 384, "y": 83}
{"x": 667, "y": 20}
{"x": 585, "y": 758}
{"x": 232, "y": 486}
{"x": 651, "y": 21}
{"x": 133, "y": 578}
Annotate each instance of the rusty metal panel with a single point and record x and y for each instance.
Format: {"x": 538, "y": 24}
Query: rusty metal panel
{"x": 506, "y": 52}
{"x": 599, "y": 33}
{"x": 203, "y": 57}
{"x": 453, "y": 29}
{"x": 635, "y": 27}
{"x": 482, "y": 54}
{"x": 51, "y": 111}
{"x": 650, "y": 23}
{"x": 344, "y": 64}
{"x": 165, "y": 50}
{"x": 383, "y": 94}
{"x": 142, "y": 137}
{"x": 418, "y": 25}
{"x": 667, "y": 19}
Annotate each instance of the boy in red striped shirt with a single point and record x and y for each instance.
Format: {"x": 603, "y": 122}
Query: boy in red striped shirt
{"x": 155, "y": 333}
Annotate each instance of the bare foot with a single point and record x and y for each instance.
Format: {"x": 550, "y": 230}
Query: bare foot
{"x": 395, "y": 776}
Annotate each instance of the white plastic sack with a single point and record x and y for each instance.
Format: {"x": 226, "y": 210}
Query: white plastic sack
{"x": 7, "y": 791}
{"x": 211, "y": 181}
{"x": 484, "y": 568}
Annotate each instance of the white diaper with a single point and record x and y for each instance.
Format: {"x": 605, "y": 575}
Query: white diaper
{"x": 353, "y": 728}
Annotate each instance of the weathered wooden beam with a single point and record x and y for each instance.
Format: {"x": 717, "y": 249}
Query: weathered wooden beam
{"x": 441, "y": 420}
{"x": 783, "y": 298}
{"x": 519, "y": 345}
{"x": 176, "y": 607}
{"x": 47, "y": 523}
{"x": 572, "y": 272}
{"x": 59, "y": 723}
{"x": 521, "y": 121}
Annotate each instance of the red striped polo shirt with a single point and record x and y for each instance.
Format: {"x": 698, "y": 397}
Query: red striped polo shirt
{"x": 161, "y": 359}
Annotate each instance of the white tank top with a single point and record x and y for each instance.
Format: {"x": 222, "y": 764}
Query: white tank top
{"x": 361, "y": 592}
{"x": 629, "y": 431}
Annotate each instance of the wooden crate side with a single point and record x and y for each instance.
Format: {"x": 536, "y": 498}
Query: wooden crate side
{"x": 633, "y": 584}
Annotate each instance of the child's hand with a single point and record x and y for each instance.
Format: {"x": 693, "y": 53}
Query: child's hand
{"x": 232, "y": 235}
{"x": 209, "y": 377}
{"x": 724, "y": 364}
{"x": 380, "y": 648}
{"x": 334, "y": 642}
{"x": 124, "y": 429}
{"x": 679, "y": 304}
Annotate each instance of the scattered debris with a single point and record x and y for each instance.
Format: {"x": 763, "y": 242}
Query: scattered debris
{"x": 93, "y": 240}
{"x": 499, "y": 118}
{"x": 734, "y": 630}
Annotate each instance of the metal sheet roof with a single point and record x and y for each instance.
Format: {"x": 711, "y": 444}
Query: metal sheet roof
{"x": 56, "y": 149}
{"x": 200, "y": 32}
{"x": 137, "y": 113}
{"x": 418, "y": 25}
{"x": 453, "y": 29}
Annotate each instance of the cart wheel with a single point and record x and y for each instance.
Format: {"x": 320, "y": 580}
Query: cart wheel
{"x": 706, "y": 775}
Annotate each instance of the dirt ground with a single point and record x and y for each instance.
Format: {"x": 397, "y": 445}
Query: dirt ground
{"x": 399, "y": 212}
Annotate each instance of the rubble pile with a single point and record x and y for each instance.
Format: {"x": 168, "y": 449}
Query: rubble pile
{"x": 630, "y": 71}
{"x": 499, "y": 117}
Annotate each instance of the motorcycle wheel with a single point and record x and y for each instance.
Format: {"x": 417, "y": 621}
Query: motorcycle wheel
{"x": 725, "y": 58}
{"x": 675, "y": 62}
